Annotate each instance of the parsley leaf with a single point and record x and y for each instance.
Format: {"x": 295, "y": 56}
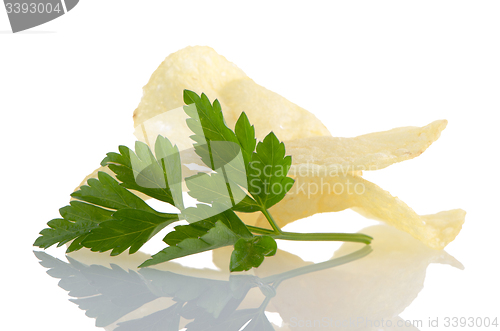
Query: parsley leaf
{"x": 129, "y": 228}
{"x": 208, "y": 125}
{"x": 265, "y": 167}
{"x": 268, "y": 181}
{"x": 215, "y": 189}
{"x": 249, "y": 253}
{"x": 245, "y": 132}
{"x": 107, "y": 217}
{"x": 208, "y": 214}
{"x": 159, "y": 177}
{"x": 218, "y": 236}
{"x": 78, "y": 219}
{"x": 216, "y": 144}
{"x": 245, "y": 176}
{"x": 206, "y": 232}
{"x": 106, "y": 192}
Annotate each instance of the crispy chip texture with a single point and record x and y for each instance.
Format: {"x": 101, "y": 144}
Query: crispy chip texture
{"x": 201, "y": 69}
{"x": 312, "y": 195}
{"x": 326, "y": 156}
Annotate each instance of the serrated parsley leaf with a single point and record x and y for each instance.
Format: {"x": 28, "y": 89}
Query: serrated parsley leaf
{"x": 209, "y": 128}
{"x": 226, "y": 152}
{"x": 209, "y": 215}
{"x": 207, "y": 117}
{"x": 263, "y": 169}
{"x": 62, "y": 231}
{"x": 206, "y": 231}
{"x": 129, "y": 228}
{"x": 215, "y": 189}
{"x": 83, "y": 217}
{"x": 159, "y": 177}
{"x": 169, "y": 159}
{"x": 107, "y": 192}
{"x": 250, "y": 253}
{"x": 109, "y": 216}
{"x": 268, "y": 181}
{"x": 79, "y": 219}
{"x": 218, "y": 236}
{"x": 247, "y": 205}
{"x": 80, "y": 211}
{"x": 243, "y": 176}
{"x": 245, "y": 133}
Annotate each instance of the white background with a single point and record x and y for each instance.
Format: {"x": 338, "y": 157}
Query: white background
{"x": 68, "y": 89}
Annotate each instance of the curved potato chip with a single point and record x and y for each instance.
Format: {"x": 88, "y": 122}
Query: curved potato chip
{"x": 269, "y": 111}
{"x": 327, "y": 156}
{"x": 197, "y": 68}
{"x": 201, "y": 69}
{"x": 312, "y": 195}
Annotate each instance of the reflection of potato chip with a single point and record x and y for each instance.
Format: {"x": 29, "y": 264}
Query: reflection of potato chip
{"x": 378, "y": 286}
{"x": 201, "y": 69}
{"x": 364, "y": 288}
{"x": 312, "y": 195}
{"x": 327, "y": 156}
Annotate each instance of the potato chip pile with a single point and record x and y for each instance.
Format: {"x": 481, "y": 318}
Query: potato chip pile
{"x": 327, "y": 169}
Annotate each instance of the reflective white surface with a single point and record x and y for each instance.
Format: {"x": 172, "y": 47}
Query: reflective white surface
{"x": 360, "y": 288}
{"x": 67, "y": 99}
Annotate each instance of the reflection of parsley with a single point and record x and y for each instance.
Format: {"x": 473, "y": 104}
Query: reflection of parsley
{"x": 203, "y": 303}
{"x": 107, "y": 216}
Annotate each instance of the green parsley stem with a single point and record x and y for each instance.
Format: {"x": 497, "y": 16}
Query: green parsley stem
{"x": 351, "y": 237}
{"x": 347, "y": 237}
{"x": 258, "y": 230}
{"x": 275, "y": 226}
{"x": 228, "y": 186}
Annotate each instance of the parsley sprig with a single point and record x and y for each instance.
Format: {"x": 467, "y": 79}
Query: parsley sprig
{"x": 246, "y": 176}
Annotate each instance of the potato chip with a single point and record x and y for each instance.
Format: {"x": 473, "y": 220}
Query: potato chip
{"x": 327, "y": 156}
{"x": 268, "y": 111}
{"x": 312, "y": 195}
{"x": 198, "y": 68}
{"x": 201, "y": 69}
